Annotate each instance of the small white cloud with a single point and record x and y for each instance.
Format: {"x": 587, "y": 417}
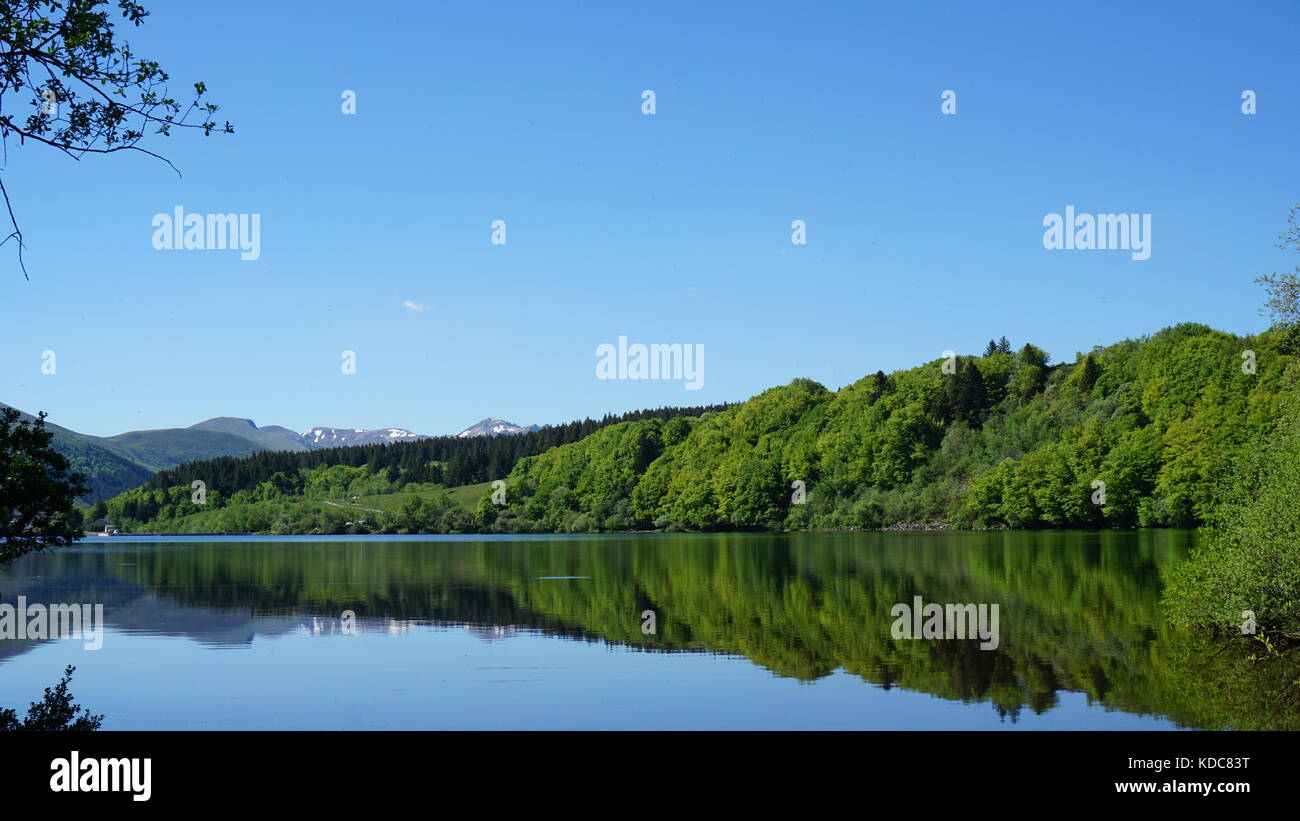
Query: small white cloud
{"x": 411, "y": 305}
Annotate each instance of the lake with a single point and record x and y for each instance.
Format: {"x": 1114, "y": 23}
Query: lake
{"x": 653, "y": 631}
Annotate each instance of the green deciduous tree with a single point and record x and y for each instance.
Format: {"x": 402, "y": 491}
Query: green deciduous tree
{"x": 1283, "y": 305}
{"x": 37, "y": 490}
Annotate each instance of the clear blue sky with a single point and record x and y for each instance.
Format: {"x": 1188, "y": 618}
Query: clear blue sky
{"x": 924, "y": 230}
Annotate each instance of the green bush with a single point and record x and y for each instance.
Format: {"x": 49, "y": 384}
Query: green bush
{"x": 1249, "y": 555}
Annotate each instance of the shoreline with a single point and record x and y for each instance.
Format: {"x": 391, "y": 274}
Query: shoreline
{"x": 900, "y": 527}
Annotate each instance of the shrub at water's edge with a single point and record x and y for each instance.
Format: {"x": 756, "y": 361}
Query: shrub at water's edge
{"x": 1249, "y": 555}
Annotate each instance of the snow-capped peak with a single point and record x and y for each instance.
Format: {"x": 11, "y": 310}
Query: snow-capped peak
{"x": 496, "y": 427}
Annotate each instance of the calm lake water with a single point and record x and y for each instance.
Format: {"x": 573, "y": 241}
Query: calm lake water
{"x": 539, "y": 632}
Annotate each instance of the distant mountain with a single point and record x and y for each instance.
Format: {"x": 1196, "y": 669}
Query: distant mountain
{"x": 321, "y": 437}
{"x": 275, "y": 437}
{"x": 276, "y": 430}
{"x": 271, "y": 437}
{"x": 169, "y": 447}
{"x": 496, "y": 427}
{"x": 107, "y": 472}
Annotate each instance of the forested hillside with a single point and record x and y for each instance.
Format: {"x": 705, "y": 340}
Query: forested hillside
{"x": 1137, "y": 433}
{"x": 107, "y": 473}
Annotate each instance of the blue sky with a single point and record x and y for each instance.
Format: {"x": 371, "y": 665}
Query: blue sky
{"x": 924, "y": 231}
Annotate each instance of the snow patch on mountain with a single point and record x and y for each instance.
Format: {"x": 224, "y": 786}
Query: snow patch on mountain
{"x": 327, "y": 437}
{"x": 496, "y": 427}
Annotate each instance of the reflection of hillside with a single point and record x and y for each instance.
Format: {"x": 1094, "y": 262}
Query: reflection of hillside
{"x": 153, "y": 616}
{"x": 1079, "y": 610}
{"x": 497, "y": 632}
{"x": 131, "y": 608}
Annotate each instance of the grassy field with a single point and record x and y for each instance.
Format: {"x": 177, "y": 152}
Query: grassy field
{"x": 466, "y": 496}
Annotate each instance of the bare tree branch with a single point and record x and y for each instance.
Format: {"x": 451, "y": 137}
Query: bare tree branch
{"x": 90, "y": 94}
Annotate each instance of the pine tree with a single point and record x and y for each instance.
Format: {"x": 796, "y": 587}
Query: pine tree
{"x": 1004, "y": 346}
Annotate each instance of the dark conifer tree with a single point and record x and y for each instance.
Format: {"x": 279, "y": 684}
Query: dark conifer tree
{"x": 972, "y": 397}
{"x": 1091, "y": 370}
{"x": 879, "y": 384}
